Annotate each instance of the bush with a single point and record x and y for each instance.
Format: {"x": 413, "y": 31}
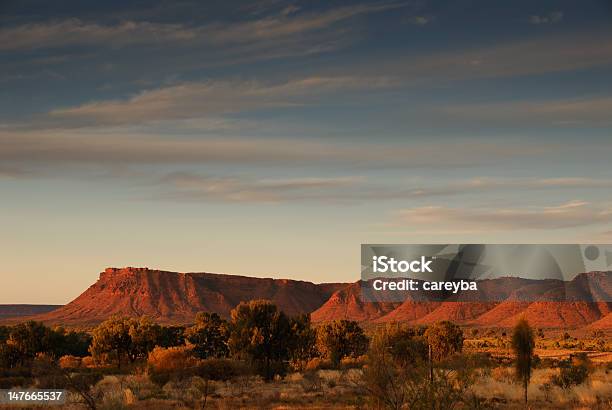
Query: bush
{"x": 445, "y": 339}
{"x": 15, "y": 381}
{"x": 88, "y": 362}
{"x": 318, "y": 363}
{"x": 164, "y": 364}
{"x": 70, "y": 362}
{"x": 221, "y": 369}
{"x": 171, "y": 359}
{"x": 573, "y": 371}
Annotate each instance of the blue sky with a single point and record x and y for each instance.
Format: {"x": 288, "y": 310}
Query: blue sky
{"x": 273, "y": 138}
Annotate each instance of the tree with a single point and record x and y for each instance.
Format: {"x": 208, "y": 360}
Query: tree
{"x": 73, "y": 343}
{"x": 523, "y": 344}
{"x": 171, "y": 336}
{"x": 111, "y": 340}
{"x": 303, "y": 341}
{"x": 445, "y": 339}
{"x": 4, "y": 333}
{"x": 340, "y": 339}
{"x": 209, "y": 335}
{"x": 32, "y": 337}
{"x": 260, "y": 333}
{"x": 144, "y": 336}
{"x": 405, "y": 345}
{"x": 118, "y": 338}
{"x": 397, "y": 376}
{"x": 9, "y": 356}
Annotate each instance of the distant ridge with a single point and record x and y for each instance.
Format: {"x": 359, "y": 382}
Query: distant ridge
{"x": 172, "y": 297}
{"x": 19, "y": 310}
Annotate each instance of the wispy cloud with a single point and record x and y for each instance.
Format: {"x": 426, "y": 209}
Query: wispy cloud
{"x": 74, "y": 32}
{"x": 193, "y": 187}
{"x": 15, "y": 173}
{"x": 421, "y": 20}
{"x": 188, "y": 186}
{"x": 210, "y": 98}
{"x": 537, "y": 55}
{"x": 593, "y": 110}
{"x": 568, "y": 215}
{"x": 116, "y": 145}
{"x": 549, "y": 18}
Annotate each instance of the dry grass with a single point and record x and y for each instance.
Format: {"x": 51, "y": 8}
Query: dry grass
{"x": 596, "y": 393}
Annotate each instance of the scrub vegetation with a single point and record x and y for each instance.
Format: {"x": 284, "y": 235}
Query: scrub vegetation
{"x": 263, "y": 358}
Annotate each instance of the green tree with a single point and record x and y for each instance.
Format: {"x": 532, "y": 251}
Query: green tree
{"x": 340, "y": 339}
{"x": 111, "y": 340}
{"x": 172, "y": 336}
{"x": 120, "y": 338}
{"x": 260, "y": 333}
{"x": 32, "y": 337}
{"x": 73, "y": 343}
{"x": 405, "y": 345}
{"x": 303, "y": 341}
{"x": 144, "y": 336}
{"x": 397, "y": 376}
{"x": 4, "y": 333}
{"x": 9, "y": 356}
{"x": 209, "y": 335}
{"x": 523, "y": 344}
{"x": 445, "y": 339}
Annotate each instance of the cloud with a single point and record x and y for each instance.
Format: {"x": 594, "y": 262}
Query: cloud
{"x": 209, "y": 99}
{"x": 15, "y": 173}
{"x": 194, "y": 187}
{"x": 421, "y": 20}
{"x": 536, "y": 55}
{"x": 562, "y": 112}
{"x": 117, "y": 145}
{"x": 480, "y": 185}
{"x": 280, "y": 25}
{"x": 187, "y": 186}
{"x": 572, "y": 214}
{"x": 75, "y": 32}
{"x": 550, "y": 18}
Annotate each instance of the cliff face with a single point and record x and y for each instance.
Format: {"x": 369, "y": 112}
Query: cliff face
{"x": 177, "y": 297}
{"x": 171, "y": 297}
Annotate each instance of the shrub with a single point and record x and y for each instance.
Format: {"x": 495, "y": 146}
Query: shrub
{"x": 70, "y": 362}
{"x": 88, "y": 362}
{"x": 171, "y": 359}
{"x": 221, "y": 369}
{"x": 573, "y": 371}
{"x": 164, "y": 364}
{"x": 406, "y": 345}
{"x": 445, "y": 339}
{"x": 318, "y": 363}
{"x": 397, "y": 384}
{"x": 14, "y": 381}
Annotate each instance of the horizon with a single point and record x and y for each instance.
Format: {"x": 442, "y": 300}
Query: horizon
{"x": 272, "y": 138}
{"x": 358, "y": 280}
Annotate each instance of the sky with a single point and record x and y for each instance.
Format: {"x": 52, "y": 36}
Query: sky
{"x": 271, "y": 138}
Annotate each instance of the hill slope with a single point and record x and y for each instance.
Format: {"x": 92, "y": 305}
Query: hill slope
{"x": 171, "y": 297}
{"x": 177, "y": 297}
